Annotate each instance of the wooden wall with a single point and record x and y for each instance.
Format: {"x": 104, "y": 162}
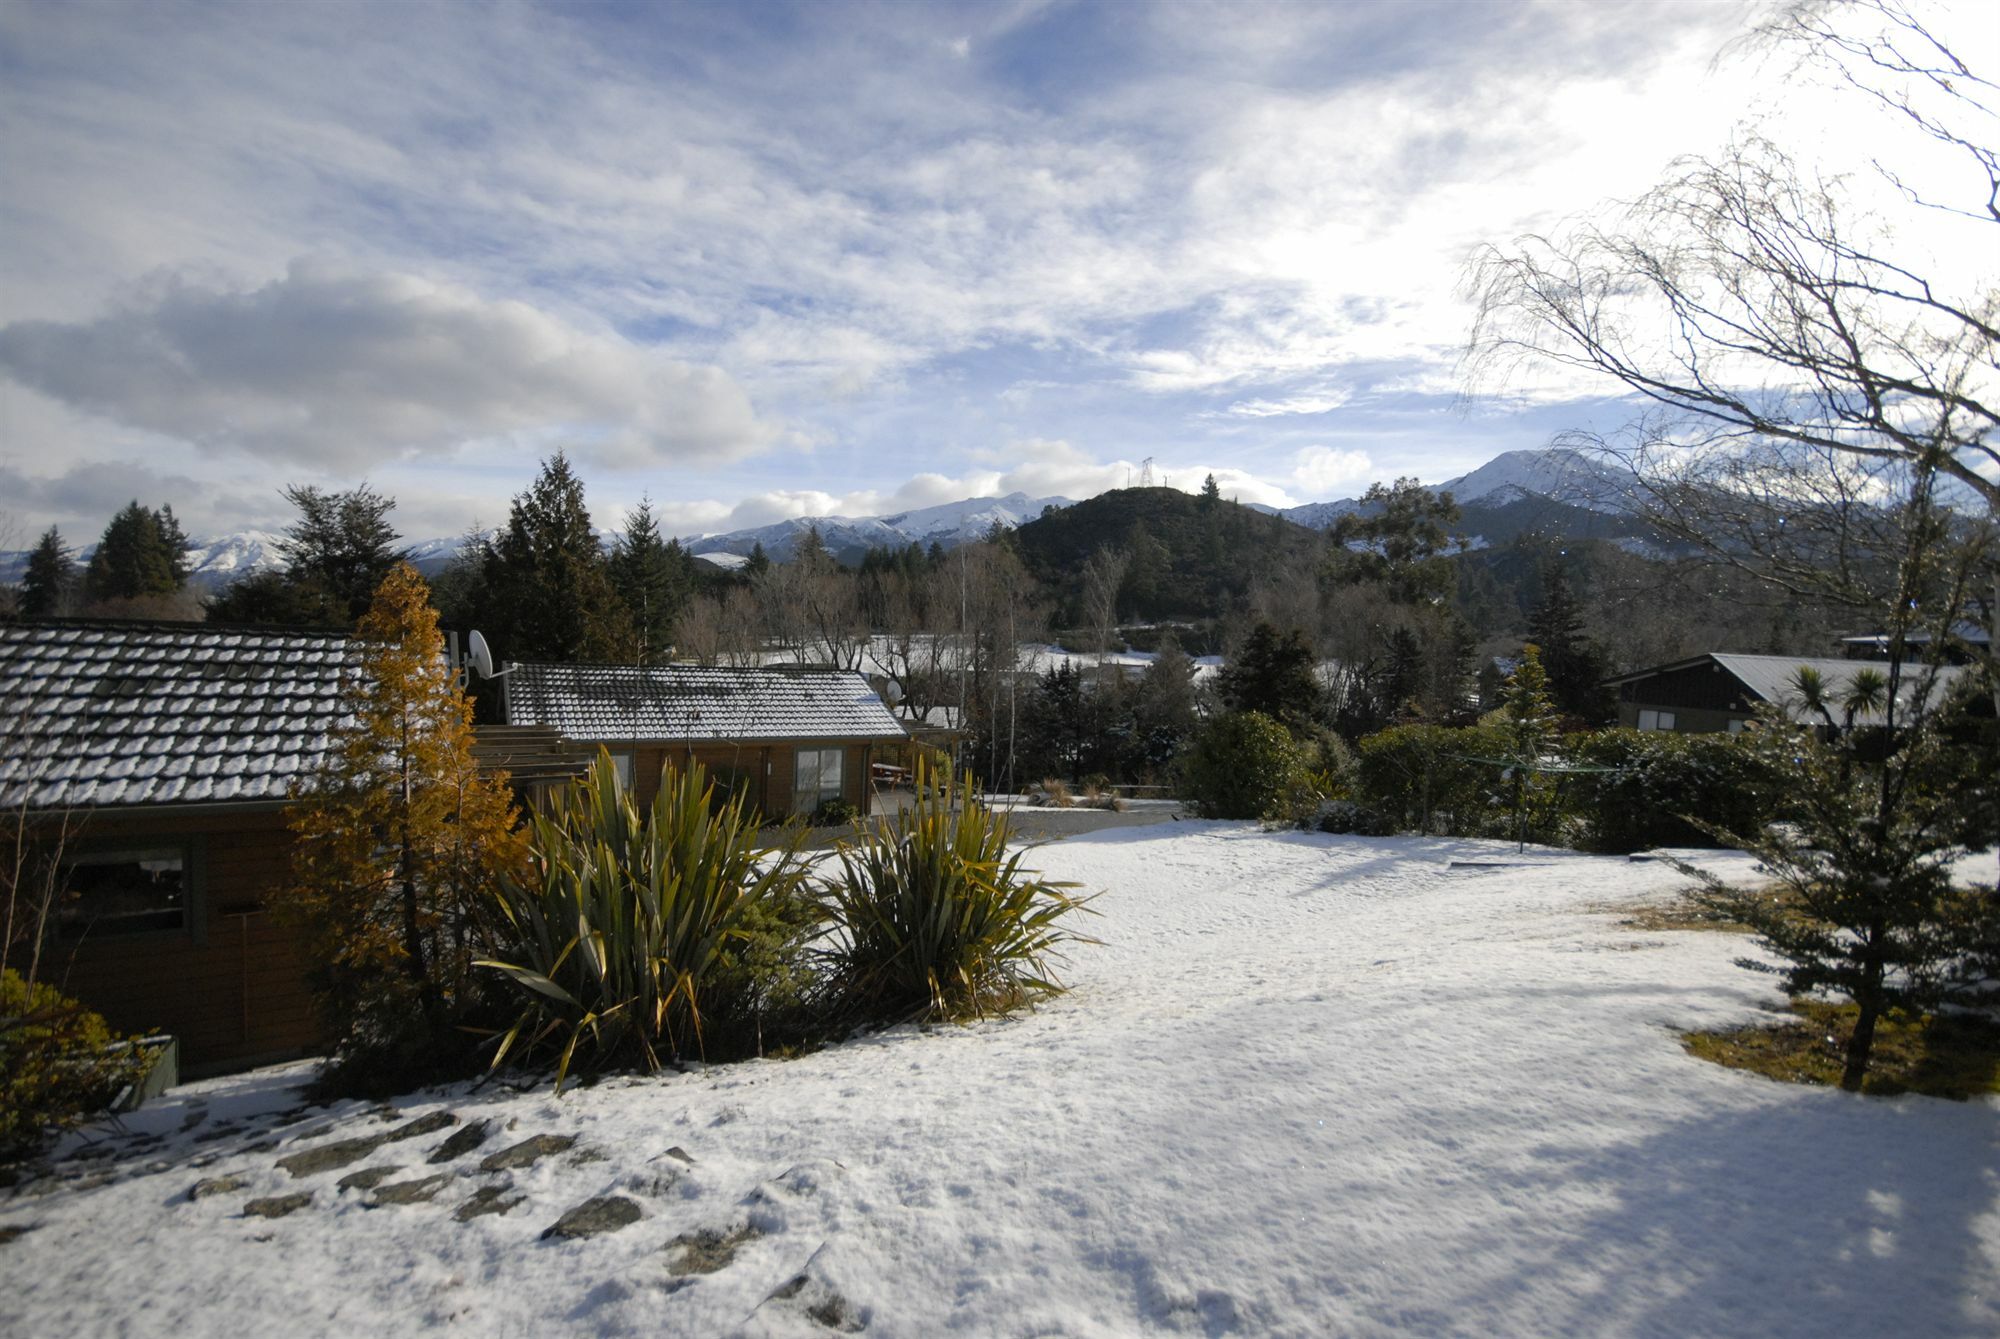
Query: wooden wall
{"x": 770, "y": 765}
{"x": 235, "y": 992}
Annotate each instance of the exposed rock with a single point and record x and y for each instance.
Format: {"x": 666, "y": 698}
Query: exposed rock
{"x": 526, "y": 1153}
{"x": 219, "y": 1132}
{"x": 680, "y": 1153}
{"x": 485, "y": 1200}
{"x": 606, "y": 1213}
{"x": 215, "y": 1185}
{"x": 422, "y": 1125}
{"x": 462, "y": 1142}
{"x": 585, "y": 1156}
{"x": 654, "y": 1184}
{"x": 367, "y": 1178}
{"x": 313, "y": 1161}
{"x": 261, "y": 1146}
{"x": 422, "y": 1190}
{"x": 14, "y": 1232}
{"x": 278, "y": 1205}
{"x": 312, "y": 1133}
{"x": 706, "y": 1251}
{"x": 818, "y": 1303}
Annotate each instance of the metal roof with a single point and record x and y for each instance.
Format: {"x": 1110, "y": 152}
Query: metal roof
{"x": 110, "y": 714}
{"x": 696, "y": 702}
{"x": 1771, "y": 678}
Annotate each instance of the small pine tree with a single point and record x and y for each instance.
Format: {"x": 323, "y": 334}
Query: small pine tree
{"x": 1211, "y": 493}
{"x": 49, "y": 584}
{"x": 400, "y": 837}
{"x": 759, "y": 562}
{"x": 1528, "y": 722}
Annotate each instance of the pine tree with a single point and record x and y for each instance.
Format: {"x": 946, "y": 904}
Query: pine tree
{"x": 1211, "y": 493}
{"x": 654, "y": 581}
{"x": 143, "y": 553}
{"x": 342, "y": 545}
{"x": 399, "y": 838}
{"x": 1528, "y": 721}
{"x": 758, "y": 563}
{"x": 1575, "y": 664}
{"x": 551, "y": 597}
{"x": 1275, "y": 674}
{"x": 49, "y": 583}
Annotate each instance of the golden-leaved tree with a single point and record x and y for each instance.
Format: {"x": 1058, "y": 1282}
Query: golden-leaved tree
{"x": 400, "y": 837}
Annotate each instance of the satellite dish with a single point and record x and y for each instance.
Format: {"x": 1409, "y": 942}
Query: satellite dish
{"x": 893, "y": 691}
{"x": 482, "y": 656}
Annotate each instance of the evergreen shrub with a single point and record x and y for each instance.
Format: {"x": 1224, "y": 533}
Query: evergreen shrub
{"x": 56, "y": 1064}
{"x": 1663, "y": 784}
{"x": 1244, "y": 764}
{"x": 1428, "y": 778}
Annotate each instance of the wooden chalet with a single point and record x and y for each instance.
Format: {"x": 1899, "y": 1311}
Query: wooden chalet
{"x": 791, "y": 737}
{"x": 1718, "y": 691}
{"x": 156, "y": 759}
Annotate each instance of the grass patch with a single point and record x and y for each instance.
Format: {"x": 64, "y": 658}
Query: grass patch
{"x": 1953, "y": 1055}
{"x": 1680, "y": 914}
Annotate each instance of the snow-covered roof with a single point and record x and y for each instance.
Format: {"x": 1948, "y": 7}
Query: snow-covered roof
{"x": 116, "y": 714}
{"x": 697, "y": 702}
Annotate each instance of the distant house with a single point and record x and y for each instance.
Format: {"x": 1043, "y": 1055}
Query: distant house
{"x": 1718, "y": 691}
{"x": 792, "y": 738}
{"x": 162, "y": 754}
{"x": 1967, "y": 640}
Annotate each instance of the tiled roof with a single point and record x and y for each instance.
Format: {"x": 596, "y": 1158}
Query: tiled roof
{"x": 696, "y": 702}
{"x": 118, "y": 714}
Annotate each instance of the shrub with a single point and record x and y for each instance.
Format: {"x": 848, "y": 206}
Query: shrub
{"x": 1246, "y": 765}
{"x": 835, "y": 813}
{"x": 56, "y": 1064}
{"x": 1346, "y": 817}
{"x": 1054, "y": 793}
{"x": 934, "y": 919}
{"x": 623, "y": 925}
{"x": 1660, "y": 781}
{"x": 1430, "y": 778}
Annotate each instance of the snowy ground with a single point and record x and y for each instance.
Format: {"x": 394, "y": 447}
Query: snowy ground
{"x": 1308, "y": 1086}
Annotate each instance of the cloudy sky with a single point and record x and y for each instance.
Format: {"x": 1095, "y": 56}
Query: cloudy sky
{"x": 760, "y": 260}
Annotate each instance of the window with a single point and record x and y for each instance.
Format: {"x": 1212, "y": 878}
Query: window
{"x": 817, "y": 779}
{"x": 125, "y": 891}
{"x": 623, "y": 762}
{"x": 1736, "y": 726}
{"x": 1656, "y": 720}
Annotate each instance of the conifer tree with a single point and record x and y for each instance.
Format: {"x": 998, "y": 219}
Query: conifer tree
{"x": 550, "y": 593}
{"x": 654, "y": 580}
{"x": 1274, "y": 674}
{"x": 1528, "y": 721}
{"x": 1575, "y": 664}
{"x": 49, "y": 583}
{"x": 341, "y": 544}
{"x": 758, "y": 563}
{"x": 400, "y": 835}
{"x": 143, "y": 553}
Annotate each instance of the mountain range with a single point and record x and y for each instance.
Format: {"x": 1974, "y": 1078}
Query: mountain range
{"x": 1568, "y": 481}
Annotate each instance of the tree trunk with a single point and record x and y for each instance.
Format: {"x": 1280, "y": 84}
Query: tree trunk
{"x": 1859, "y": 1045}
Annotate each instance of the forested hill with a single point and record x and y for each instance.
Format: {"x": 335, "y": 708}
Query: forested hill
{"x": 1189, "y": 556}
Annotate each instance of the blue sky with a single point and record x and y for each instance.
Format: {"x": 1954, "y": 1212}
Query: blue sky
{"x": 769, "y": 260}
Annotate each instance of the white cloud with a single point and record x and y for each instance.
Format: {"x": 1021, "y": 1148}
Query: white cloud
{"x": 331, "y": 367}
{"x": 1320, "y": 402}
{"x": 1321, "y": 469}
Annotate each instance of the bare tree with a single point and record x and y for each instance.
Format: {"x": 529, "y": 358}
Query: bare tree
{"x": 1797, "y": 369}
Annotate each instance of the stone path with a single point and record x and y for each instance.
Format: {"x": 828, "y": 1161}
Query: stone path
{"x": 438, "y": 1177}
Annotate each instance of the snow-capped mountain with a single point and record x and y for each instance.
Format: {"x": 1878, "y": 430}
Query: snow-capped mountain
{"x": 1559, "y": 473}
{"x": 848, "y": 537}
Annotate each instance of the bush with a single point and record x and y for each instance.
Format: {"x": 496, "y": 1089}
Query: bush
{"x": 1345, "y": 817}
{"x": 56, "y": 1065}
{"x": 1662, "y": 781}
{"x": 624, "y": 924}
{"x": 1429, "y": 778}
{"x": 1246, "y": 765}
{"x": 934, "y": 920}
{"x": 835, "y": 813}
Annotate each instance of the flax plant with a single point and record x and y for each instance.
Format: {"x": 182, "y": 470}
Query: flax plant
{"x": 624, "y": 916}
{"x": 933, "y": 919}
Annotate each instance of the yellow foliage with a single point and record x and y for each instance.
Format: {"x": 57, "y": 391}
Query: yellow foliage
{"x": 399, "y": 836}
